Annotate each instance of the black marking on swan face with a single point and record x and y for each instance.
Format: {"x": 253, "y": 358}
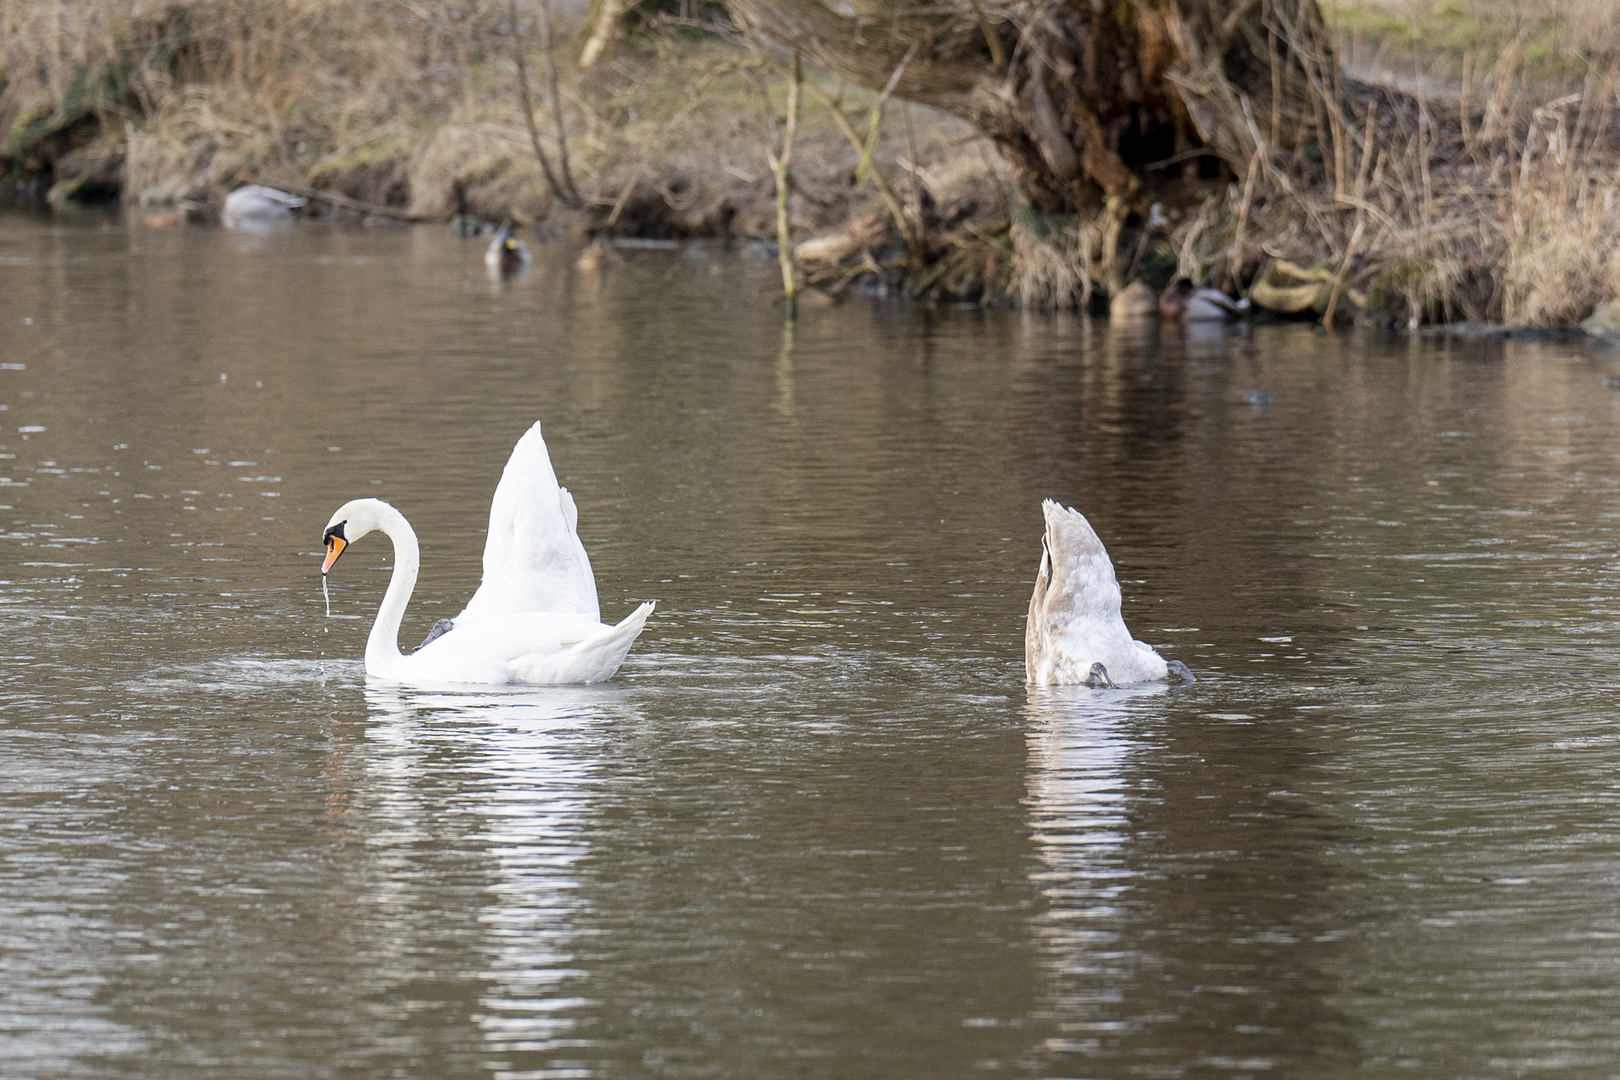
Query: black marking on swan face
{"x": 440, "y": 628}
{"x": 334, "y": 530}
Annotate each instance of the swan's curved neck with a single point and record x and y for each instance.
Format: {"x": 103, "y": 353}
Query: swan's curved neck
{"x": 382, "y": 646}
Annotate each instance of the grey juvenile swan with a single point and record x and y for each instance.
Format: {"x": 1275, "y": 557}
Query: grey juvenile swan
{"x": 1075, "y": 632}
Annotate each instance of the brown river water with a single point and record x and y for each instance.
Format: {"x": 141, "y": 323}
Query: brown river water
{"x": 817, "y": 827}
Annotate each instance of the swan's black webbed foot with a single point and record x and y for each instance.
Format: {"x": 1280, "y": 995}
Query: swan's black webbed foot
{"x": 1181, "y": 671}
{"x": 1097, "y": 678}
{"x": 440, "y": 628}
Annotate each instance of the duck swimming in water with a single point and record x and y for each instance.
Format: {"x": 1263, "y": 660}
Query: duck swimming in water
{"x": 1075, "y": 632}
{"x": 506, "y": 253}
{"x": 1184, "y": 302}
{"x": 599, "y": 255}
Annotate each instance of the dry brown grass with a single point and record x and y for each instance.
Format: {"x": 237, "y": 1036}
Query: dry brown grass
{"x": 1496, "y": 198}
{"x": 415, "y": 104}
{"x": 196, "y": 92}
{"x": 1501, "y": 210}
{"x": 1507, "y": 211}
{"x": 1560, "y": 235}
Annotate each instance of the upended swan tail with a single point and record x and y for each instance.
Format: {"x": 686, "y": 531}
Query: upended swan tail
{"x": 592, "y": 660}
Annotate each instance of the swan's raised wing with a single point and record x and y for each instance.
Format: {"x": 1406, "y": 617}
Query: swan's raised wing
{"x": 533, "y": 559}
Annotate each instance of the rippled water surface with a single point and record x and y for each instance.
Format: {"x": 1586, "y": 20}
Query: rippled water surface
{"x": 817, "y": 827}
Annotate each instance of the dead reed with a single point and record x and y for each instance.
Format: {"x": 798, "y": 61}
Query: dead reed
{"x": 195, "y": 93}
{"x": 1492, "y": 197}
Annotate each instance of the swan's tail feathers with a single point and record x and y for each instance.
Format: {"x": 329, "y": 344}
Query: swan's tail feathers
{"x": 593, "y": 659}
{"x": 627, "y": 628}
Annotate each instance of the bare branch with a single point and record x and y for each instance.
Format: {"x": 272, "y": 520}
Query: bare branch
{"x": 561, "y": 193}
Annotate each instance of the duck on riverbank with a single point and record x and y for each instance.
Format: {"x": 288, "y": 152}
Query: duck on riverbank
{"x": 256, "y": 206}
{"x": 1184, "y": 302}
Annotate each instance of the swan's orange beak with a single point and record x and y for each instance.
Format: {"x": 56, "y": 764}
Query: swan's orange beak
{"x": 334, "y": 548}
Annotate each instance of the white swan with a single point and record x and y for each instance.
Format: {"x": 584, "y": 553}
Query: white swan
{"x": 534, "y": 618}
{"x": 1075, "y": 632}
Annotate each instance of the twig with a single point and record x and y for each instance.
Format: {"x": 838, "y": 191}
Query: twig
{"x": 1276, "y": 87}
{"x": 998, "y": 54}
{"x": 780, "y": 164}
{"x": 875, "y": 121}
{"x": 885, "y": 192}
{"x": 1424, "y": 147}
{"x": 1574, "y": 151}
{"x": 1462, "y": 108}
{"x": 552, "y": 182}
{"x": 601, "y": 32}
{"x": 1361, "y": 216}
{"x": 1232, "y": 21}
{"x": 559, "y": 131}
{"x": 624, "y": 194}
{"x": 1280, "y": 178}
{"x": 1136, "y": 255}
{"x": 1344, "y": 268}
{"x": 1175, "y": 159}
{"x": 1602, "y": 126}
{"x": 916, "y": 170}
{"x": 1366, "y": 150}
{"x": 675, "y": 124}
{"x": 1234, "y": 260}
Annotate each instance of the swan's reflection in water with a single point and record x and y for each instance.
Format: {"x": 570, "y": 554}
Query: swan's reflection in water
{"x": 1190, "y": 923}
{"x": 529, "y": 773}
{"x": 1081, "y": 745}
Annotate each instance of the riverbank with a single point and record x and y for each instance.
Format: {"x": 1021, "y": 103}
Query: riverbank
{"x": 1487, "y": 193}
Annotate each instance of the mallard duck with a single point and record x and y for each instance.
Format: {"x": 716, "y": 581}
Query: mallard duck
{"x": 506, "y": 253}
{"x": 1134, "y": 301}
{"x": 598, "y": 256}
{"x": 1185, "y": 302}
